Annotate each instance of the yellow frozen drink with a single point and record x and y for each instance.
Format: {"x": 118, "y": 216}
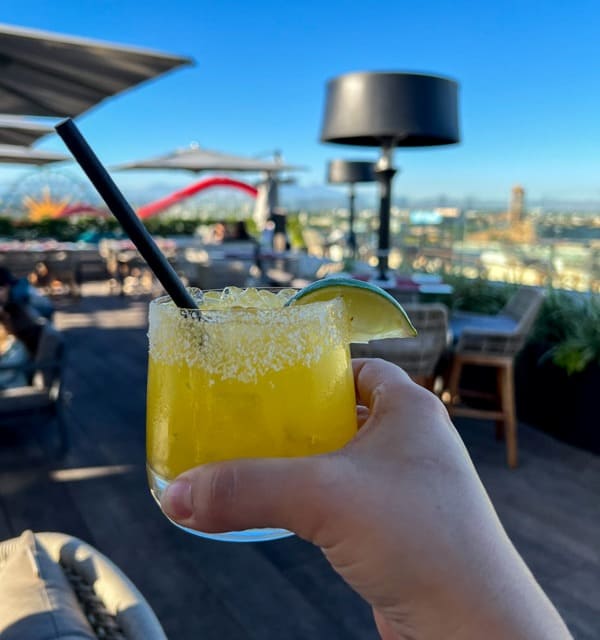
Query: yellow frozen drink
{"x": 246, "y": 377}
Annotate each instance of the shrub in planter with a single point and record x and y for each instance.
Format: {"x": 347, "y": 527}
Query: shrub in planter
{"x": 476, "y": 295}
{"x": 558, "y": 373}
{"x": 580, "y": 348}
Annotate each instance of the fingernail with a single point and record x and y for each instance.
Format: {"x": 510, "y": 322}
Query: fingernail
{"x": 176, "y": 501}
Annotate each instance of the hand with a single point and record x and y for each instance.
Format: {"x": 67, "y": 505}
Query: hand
{"x": 399, "y": 512}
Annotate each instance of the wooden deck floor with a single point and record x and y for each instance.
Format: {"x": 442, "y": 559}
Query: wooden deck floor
{"x": 285, "y": 589}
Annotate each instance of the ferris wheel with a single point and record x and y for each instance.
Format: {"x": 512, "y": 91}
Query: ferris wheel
{"x": 44, "y": 193}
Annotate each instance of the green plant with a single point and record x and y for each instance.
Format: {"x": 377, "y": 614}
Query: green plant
{"x": 581, "y": 346}
{"x": 568, "y": 325}
{"x": 556, "y": 319}
{"x": 171, "y": 226}
{"x": 477, "y": 295}
{"x": 294, "y": 230}
{"x": 6, "y": 226}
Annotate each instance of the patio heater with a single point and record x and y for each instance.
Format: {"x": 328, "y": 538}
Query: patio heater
{"x": 389, "y": 110}
{"x": 350, "y": 172}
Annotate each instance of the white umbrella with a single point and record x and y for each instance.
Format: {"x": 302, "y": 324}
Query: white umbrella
{"x": 195, "y": 158}
{"x": 48, "y": 74}
{"x": 18, "y": 154}
{"x": 19, "y": 131}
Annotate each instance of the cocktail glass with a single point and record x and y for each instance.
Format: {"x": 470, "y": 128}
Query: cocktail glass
{"x": 245, "y": 377}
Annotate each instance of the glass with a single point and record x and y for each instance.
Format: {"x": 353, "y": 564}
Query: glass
{"x": 245, "y": 383}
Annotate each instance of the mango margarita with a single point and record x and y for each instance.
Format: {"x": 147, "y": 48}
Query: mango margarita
{"x": 247, "y": 377}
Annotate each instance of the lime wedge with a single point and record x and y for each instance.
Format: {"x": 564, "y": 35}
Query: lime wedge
{"x": 374, "y": 314}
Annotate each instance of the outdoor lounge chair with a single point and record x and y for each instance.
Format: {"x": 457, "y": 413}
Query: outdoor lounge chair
{"x": 417, "y": 356}
{"x": 517, "y": 314}
{"x": 493, "y": 341}
{"x": 41, "y": 399}
{"x": 55, "y": 586}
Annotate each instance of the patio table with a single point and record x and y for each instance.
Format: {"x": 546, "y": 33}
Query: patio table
{"x": 410, "y": 288}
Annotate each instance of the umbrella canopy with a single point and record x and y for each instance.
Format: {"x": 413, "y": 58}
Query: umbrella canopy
{"x": 47, "y": 74}
{"x": 16, "y": 130}
{"x": 16, "y": 154}
{"x": 195, "y": 158}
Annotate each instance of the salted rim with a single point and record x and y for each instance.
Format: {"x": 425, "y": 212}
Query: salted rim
{"x": 270, "y": 340}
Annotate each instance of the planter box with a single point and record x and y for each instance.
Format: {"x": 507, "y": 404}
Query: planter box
{"x": 565, "y": 406}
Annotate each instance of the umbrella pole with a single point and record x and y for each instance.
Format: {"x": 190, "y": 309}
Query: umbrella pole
{"x": 351, "y": 234}
{"x": 385, "y": 173}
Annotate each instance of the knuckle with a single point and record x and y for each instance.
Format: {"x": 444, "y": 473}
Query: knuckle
{"x": 432, "y": 403}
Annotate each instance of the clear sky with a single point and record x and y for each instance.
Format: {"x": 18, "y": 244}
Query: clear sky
{"x": 529, "y": 78}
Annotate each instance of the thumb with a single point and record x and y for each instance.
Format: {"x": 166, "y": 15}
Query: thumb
{"x": 291, "y": 493}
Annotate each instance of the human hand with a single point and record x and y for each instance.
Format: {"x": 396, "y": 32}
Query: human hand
{"x": 399, "y": 512}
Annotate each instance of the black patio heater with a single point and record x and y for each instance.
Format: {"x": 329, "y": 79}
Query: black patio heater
{"x": 350, "y": 172}
{"x": 390, "y": 110}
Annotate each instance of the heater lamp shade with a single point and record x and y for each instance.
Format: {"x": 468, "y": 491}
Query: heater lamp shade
{"x": 350, "y": 172}
{"x": 391, "y": 109}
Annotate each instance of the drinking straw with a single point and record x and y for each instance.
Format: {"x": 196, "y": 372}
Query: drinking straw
{"x": 124, "y": 213}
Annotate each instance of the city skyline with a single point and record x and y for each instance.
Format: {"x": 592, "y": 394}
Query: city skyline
{"x": 527, "y": 107}
{"x": 293, "y": 197}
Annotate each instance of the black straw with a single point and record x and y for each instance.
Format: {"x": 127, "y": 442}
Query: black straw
{"x": 124, "y": 213}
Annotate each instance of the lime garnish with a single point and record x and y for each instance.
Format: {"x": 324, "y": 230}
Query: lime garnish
{"x": 373, "y": 312}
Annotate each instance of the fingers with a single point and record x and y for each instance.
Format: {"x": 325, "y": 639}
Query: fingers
{"x": 383, "y": 626}
{"x": 389, "y": 392}
{"x": 300, "y": 494}
{"x": 362, "y": 415}
{"x": 291, "y": 493}
{"x": 378, "y": 381}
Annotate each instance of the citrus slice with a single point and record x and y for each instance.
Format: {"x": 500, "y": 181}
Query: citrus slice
{"x": 374, "y": 314}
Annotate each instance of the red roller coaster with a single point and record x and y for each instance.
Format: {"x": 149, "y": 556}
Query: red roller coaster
{"x": 157, "y": 206}
{"x": 153, "y": 208}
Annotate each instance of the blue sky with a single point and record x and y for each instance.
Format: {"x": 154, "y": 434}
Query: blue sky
{"x": 528, "y": 73}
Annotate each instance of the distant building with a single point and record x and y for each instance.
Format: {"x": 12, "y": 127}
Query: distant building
{"x": 511, "y": 226}
{"x": 448, "y": 212}
{"x": 517, "y": 204}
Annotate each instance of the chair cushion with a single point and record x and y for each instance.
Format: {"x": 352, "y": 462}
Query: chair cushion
{"x": 499, "y": 323}
{"x": 20, "y": 399}
{"x": 36, "y": 600}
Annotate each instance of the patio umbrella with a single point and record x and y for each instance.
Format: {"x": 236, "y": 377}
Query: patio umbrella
{"x": 19, "y": 131}
{"x": 196, "y": 159}
{"x": 48, "y": 74}
{"x": 18, "y": 154}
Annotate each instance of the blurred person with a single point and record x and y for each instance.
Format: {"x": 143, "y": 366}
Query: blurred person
{"x": 12, "y": 354}
{"x": 20, "y": 291}
{"x": 41, "y": 276}
{"x": 266, "y": 236}
{"x": 22, "y": 306}
{"x": 281, "y": 241}
{"x": 217, "y": 233}
{"x": 237, "y": 232}
{"x": 399, "y": 512}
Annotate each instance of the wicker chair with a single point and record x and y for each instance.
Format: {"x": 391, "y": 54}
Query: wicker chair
{"x": 493, "y": 341}
{"x": 72, "y": 582}
{"x": 417, "y": 356}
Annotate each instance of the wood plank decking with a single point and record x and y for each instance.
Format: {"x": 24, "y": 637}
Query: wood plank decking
{"x": 201, "y": 589}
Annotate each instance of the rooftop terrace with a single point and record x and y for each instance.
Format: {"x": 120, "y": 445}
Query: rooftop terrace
{"x": 283, "y": 589}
